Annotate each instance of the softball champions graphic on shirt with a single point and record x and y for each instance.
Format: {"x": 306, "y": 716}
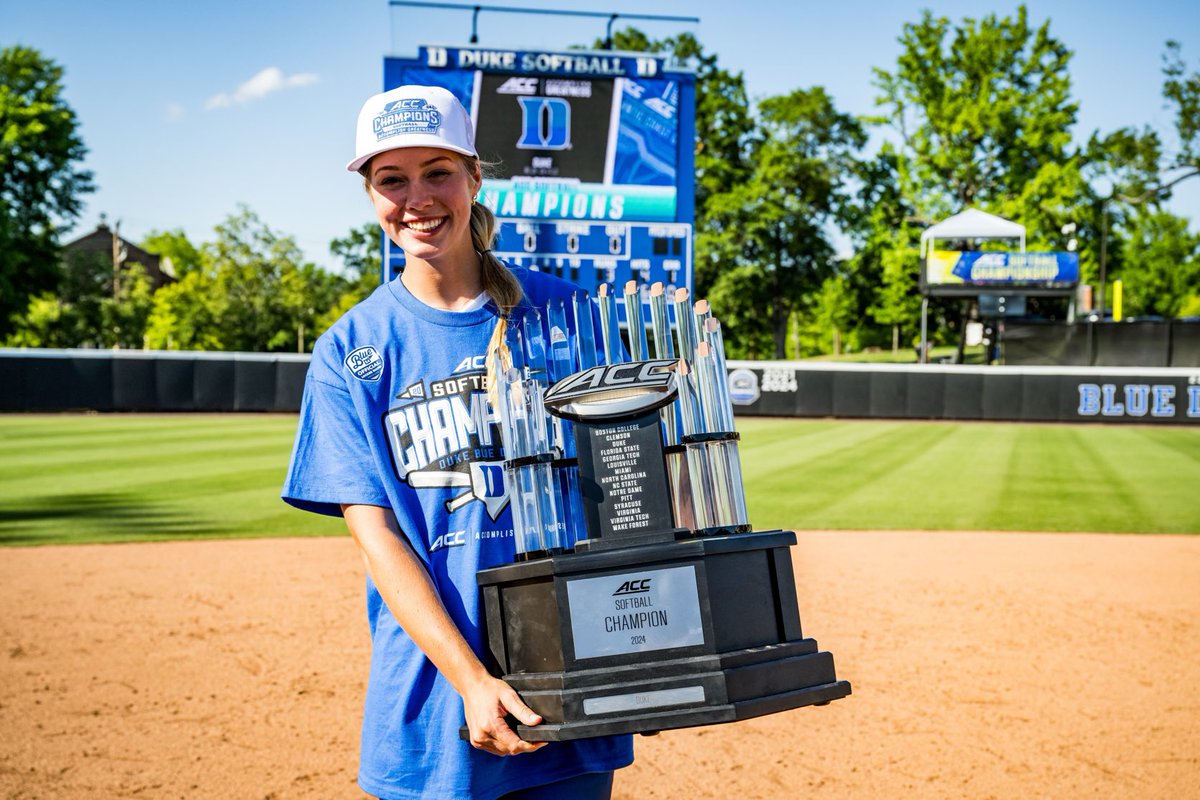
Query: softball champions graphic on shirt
{"x": 446, "y": 436}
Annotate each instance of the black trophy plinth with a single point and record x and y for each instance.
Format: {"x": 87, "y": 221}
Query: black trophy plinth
{"x": 654, "y": 637}
{"x": 647, "y": 626}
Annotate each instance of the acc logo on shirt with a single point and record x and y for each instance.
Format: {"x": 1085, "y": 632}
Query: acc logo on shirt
{"x": 365, "y": 363}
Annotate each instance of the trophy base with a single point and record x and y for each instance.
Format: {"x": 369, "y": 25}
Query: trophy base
{"x": 652, "y": 637}
{"x": 681, "y": 693}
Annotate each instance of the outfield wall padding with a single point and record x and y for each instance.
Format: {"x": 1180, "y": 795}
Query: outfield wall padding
{"x": 73, "y": 380}
{"x": 1141, "y": 343}
{"x": 1185, "y": 344}
{"x": 141, "y": 380}
{"x": 959, "y": 392}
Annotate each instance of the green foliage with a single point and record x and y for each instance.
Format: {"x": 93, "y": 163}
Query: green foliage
{"x": 87, "y": 310}
{"x": 247, "y": 290}
{"x": 40, "y": 188}
{"x": 981, "y": 108}
{"x": 1161, "y": 265}
{"x": 184, "y": 316}
{"x": 1182, "y": 91}
{"x": 42, "y": 324}
{"x": 983, "y": 113}
{"x": 779, "y": 218}
{"x": 174, "y": 245}
{"x": 126, "y": 314}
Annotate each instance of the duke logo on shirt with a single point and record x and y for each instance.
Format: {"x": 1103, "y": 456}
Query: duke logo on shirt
{"x": 365, "y": 363}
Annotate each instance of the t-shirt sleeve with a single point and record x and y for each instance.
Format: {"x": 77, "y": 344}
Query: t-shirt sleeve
{"x": 332, "y": 462}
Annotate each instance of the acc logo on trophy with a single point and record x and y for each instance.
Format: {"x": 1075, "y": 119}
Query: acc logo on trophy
{"x": 616, "y": 390}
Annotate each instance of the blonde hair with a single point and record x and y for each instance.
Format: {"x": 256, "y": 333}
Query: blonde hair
{"x": 501, "y": 286}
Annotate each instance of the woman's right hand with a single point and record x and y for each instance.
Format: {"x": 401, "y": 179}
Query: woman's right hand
{"x": 486, "y": 704}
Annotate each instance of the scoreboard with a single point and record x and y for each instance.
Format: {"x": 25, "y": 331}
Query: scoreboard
{"x": 591, "y": 173}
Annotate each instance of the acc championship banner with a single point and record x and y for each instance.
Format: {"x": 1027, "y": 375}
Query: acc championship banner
{"x": 954, "y": 268}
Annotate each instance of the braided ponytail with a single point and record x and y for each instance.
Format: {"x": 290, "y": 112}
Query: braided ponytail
{"x": 500, "y": 285}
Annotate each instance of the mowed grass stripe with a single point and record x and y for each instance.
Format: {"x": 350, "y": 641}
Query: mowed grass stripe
{"x": 151, "y": 477}
{"x": 43, "y": 446}
{"x": 984, "y": 476}
{"x": 171, "y": 458}
{"x": 84, "y": 478}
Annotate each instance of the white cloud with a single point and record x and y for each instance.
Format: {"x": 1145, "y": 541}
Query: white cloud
{"x": 264, "y": 83}
{"x": 174, "y": 112}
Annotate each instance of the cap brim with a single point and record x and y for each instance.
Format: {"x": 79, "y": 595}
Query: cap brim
{"x": 411, "y": 140}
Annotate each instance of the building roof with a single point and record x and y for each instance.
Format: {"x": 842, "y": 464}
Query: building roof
{"x": 158, "y": 269}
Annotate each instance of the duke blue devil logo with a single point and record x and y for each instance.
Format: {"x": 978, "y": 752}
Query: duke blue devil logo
{"x": 545, "y": 123}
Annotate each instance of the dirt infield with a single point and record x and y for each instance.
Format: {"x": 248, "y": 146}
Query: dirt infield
{"x": 983, "y": 665}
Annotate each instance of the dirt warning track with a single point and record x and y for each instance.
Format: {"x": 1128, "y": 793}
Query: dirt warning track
{"x": 983, "y": 665}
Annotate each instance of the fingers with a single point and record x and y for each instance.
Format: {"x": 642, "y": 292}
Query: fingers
{"x": 500, "y": 739}
{"x": 492, "y": 731}
{"x": 514, "y": 705}
{"x": 489, "y": 728}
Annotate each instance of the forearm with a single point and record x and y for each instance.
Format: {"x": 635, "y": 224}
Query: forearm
{"x": 410, "y": 594}
{"x": 408, "y": 590}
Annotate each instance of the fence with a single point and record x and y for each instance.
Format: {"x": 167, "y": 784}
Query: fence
{"x": 106, "y": 380}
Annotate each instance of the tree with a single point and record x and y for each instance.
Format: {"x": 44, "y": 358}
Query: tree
{"x": 779, "y": 219}
{"x": 885, "y": 264}
{"x": 362, "y": 262}
{"x": 1160, "y": 265}
{"x": 174, "y": 245}
{"x": 185, "y": 315}
{"x": 41, "y": 189}
{"x": 41, "y": 325}
{"x": 361, "y": 259}
{"x": 980, "y": 116}
{"x": 1182, "y": 91}
{"x": 247, "y": 262}
{"x": 832, "y": 313}
{"x": 1141, "y": 172}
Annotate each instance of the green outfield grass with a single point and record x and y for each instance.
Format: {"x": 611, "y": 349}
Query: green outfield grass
{"x": 114, "y": 478}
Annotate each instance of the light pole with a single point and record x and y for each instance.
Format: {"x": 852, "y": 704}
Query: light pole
{"x": 1069, "y": 231}
{"x": 1103, "y": 253}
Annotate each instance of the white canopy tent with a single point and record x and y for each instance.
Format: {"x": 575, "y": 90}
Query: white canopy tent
{"x": 972, "y": 224}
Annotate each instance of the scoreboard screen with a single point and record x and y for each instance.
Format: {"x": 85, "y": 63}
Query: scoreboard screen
{"x": 588, "y": 158}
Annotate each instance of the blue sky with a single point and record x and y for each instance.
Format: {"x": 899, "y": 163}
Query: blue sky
{"x": 189, "y": 109}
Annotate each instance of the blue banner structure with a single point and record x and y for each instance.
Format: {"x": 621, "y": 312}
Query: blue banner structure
{"x": 1001, "y": 269}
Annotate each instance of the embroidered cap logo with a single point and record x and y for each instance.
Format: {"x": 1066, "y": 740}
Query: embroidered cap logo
{"x": 408, "y": 115}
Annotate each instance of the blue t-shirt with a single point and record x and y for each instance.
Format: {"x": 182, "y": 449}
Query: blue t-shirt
{"x": 395, "y": 414}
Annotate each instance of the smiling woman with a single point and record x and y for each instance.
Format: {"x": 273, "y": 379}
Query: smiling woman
{"x": 380, "y": 447}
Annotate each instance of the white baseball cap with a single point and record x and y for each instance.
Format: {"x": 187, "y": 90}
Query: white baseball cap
{"x": 411, "y": 116}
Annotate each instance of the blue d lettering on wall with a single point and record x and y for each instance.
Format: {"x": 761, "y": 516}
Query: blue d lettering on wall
{"x": 545, "y": 123}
